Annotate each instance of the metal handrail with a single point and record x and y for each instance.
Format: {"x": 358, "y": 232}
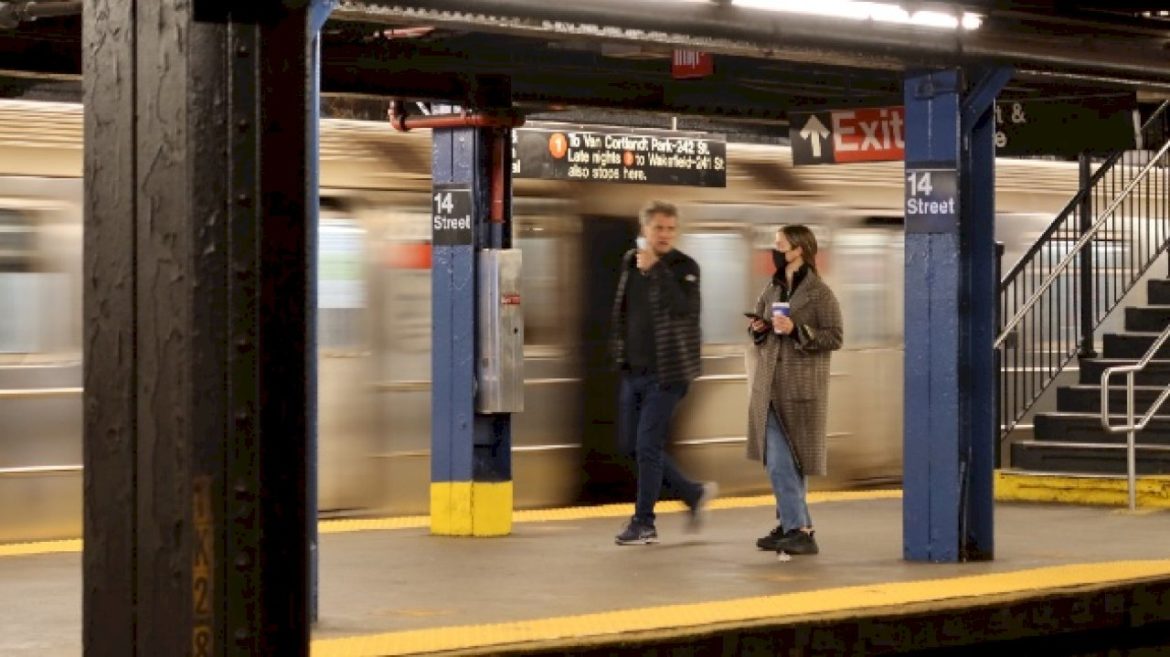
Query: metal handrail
{"x": 1074, "y": 253}
{"x": 1129, "y": 427}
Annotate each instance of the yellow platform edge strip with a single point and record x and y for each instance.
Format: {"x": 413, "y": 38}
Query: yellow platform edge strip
{"x": 346, "y": 526}
{"x": 1153, "y": 492}
{"x": 691, "y": 619}
{"x": 40, "y": 547}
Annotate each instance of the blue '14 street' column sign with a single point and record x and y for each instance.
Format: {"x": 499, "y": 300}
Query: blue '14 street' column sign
{"x": 932, "y": 200}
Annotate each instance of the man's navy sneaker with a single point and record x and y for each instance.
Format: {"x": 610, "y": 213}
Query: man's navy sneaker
{"x": 697, "y": 513}
{"x": 636, "y": 533}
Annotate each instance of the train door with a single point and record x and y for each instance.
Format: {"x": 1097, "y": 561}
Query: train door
{"x": 607, "y": 477}
{"x": 708, "y": 433}
{"x": 344, "y": 439}
{"x": 400, "y": 355}
{"x": 546, "y": 437}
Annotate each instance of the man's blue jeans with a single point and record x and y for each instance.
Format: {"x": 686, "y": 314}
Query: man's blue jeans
{"x": 644, "y": 411}
{"x": 788, "y": 482}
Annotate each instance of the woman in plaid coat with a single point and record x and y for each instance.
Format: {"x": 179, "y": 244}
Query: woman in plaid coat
{"x": 788, "y": 408}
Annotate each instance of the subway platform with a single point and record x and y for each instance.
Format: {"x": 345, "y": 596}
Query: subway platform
{"x": 1089, "y": 579}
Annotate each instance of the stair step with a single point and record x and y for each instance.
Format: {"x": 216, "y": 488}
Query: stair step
{"x": 1157, "y": 372}
{"x": 1147, "y": 318}
{"x": 1036, "y": 456}
{"x": 1132, "y": 345}
{"x": 1087, "y": 399}
{"x": 1158, "y": 291}
{"x": 1086, "y": 428}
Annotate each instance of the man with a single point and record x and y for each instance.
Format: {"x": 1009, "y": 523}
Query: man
{"x": 656, "y": 346}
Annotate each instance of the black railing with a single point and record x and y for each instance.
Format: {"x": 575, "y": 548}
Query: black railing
{"x": 1051, "y": 303}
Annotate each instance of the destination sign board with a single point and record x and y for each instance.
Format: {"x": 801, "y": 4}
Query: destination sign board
{"x": 1067, "y": 127}
{"x": 1061, "y": 126}
{"x": 565, "y": 152}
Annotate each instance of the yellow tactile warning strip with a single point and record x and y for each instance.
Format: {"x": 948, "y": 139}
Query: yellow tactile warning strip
{"x": 533, "y": 515}
{"x": 604, "y": 511}
{"x": 1152, "y": 491}
{"x": 687, "y": 619}
{"x": 42, "y": 547}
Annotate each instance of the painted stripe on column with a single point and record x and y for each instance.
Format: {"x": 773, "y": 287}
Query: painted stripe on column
{"x": 471, "y": 508}
{"x": 491, "y": 508}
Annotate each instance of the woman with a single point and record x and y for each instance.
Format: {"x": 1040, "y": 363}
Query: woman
{"x": 790, "y": 389}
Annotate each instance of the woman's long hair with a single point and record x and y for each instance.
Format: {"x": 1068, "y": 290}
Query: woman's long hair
{"x": 798, "y": 235}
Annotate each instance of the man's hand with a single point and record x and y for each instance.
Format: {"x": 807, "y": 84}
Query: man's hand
{"x": 759, "y": 325}
{"x": 646, "y": 259}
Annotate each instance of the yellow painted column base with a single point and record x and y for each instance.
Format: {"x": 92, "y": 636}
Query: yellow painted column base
{"x": 471, "y": 508}
{"x": 1152, "y": 491}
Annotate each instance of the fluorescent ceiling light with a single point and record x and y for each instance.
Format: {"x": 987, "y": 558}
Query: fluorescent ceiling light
{"x": 879, "y": 12}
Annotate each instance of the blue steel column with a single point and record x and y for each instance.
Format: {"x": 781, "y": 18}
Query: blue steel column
{"x": 319, "y": 12}
{"x": 949, "y": 369}
{"x": 471, "y": 478}
{"x": 977, "y": 226}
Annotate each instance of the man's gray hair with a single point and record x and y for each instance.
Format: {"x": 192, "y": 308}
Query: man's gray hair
{"x": 657, "y": 207}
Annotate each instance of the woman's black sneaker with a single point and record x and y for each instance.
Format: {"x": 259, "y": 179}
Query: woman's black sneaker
{"x": 797, "y": 542}
{"x": 770, "y": 541}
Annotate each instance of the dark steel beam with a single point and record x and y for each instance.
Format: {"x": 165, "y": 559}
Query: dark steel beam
{"x": 761, "y": 33}
{"x": 442, "y": 70}
{"x": 15, "y": 13}
{"x": 198, "y": 238}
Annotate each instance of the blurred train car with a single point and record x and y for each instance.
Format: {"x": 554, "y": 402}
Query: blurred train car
{"x": 374, "y": 316}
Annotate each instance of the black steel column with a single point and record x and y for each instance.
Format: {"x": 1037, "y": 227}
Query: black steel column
{"x": 1087, "y": 300}
{"x": 198, "y": 389}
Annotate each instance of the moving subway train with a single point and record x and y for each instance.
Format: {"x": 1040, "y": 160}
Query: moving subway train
{"x": 374, "y": 317}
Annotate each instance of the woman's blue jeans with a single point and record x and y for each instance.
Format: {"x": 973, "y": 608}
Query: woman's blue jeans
{"x": 788, "y": 483}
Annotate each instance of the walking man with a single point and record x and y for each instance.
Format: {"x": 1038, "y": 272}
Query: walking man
{"x": 656, "y": 345}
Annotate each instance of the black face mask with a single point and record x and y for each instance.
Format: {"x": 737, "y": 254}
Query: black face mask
{"x": 778, "y": 260}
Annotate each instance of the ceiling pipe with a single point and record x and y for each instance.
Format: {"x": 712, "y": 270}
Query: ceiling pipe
{"x": 760, "y": 33}
{"x": 499, "y": 157}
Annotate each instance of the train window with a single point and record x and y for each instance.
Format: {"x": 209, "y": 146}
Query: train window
{"x": 16, "y": 240}
{"x": 24, "y": 295}
{"x": 547, "y": 313}
{"x": 341, "y": 285}
{"x": 725, "y": 261}
{"x": 867, "y": 278}
{"x": 400, "y": 294}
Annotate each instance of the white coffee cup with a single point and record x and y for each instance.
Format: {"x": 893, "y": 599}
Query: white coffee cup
{"x": 780, "y": 308}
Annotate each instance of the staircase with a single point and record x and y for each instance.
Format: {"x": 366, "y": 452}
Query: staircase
{"x": 1060, "y": 292}
{"x": 1071, "y": 440}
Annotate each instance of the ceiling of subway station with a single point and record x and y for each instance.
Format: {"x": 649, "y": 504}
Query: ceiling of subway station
{"x": 605, "y": 56}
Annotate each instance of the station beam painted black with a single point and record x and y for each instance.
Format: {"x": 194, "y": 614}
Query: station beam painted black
{"x": 200, "y": 219}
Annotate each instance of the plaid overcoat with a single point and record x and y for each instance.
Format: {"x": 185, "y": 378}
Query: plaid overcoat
{"x": 792, "y": 372}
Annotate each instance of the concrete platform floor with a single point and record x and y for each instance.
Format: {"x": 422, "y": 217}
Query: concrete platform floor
{"x": 409, "y": 587}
